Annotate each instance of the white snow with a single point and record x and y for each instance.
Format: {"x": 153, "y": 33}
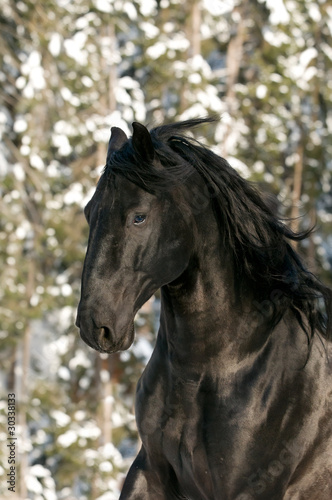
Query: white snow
{"x": 33, "y": 485}
{"x": 258, "y": 167}
{"x": 147, "y": 7}
{"x": 142, "y": 348}
{"x": 307, "y": 56}
{"x": 104, "y": 5}
{"x": 60, "y": 346}
{"x": 275, "y": 77}
{"x": 327, "y": 50}
{"x": 61, "y": 142}
{"x": 179, "y": 68}
{"x": 261, "y": 91}
{"x": 193, "y": 111}
{"x": 278, "y": 12}
{"x": 34, "y": 300}
{"x": 169, "y": 27}
{"x": 122, "y": 96}
{"x": 61, "y": 418}
{"x": 105, "y": 376}
{"x": 32, "y": 68}
{"x": 25, "y": 150}
{"x": 91, "y": 455}
{"x": 53, "y": 169}
{"x": 68, "y": 96}
{"x": 261, "y": 136}
{"x": 53, "y": 290}
{"x": 128, "y": 83}
{"x": 101, "y": 135}
{"x": 87, "y": 197}
{"x": 329, "y": 21}
{"x": 80, "y": 359}
{"x": 83, "y": 21}
{"x": 80, "y": 415}
{"x": 157, "y": 50}
{"x": 68, "y": 438}
{"x": 195, "y": 78}
{"x": 230, "y": 132}
{"x": 64, "y": 373}
{"x": 218, "y": 7}
{"x": 20, "y": 125}
{"x": 66, "y": 290}
{"x": 239, "y": 166}
{"x": 89, "y": 431}
{"x": 110, "y": 495}
{"x": 275, "y": 38}
{"x": 314, "y": 12}
{"x": 64, "y": 127}
{"x": 178, "y": 42}
{"x": 298, "y": 67}
{"x": 23, "y": 229}
{"x": 18, "y": 172}
{"x": 106, "y": 466}
{"x": 115, "y": 119}
{"x": 197, "y": 63}
{"x": 202, "y": 100}
{"x": 37, "y": 162}
{"x": 54, "y": 45}
{"x": 87, "y": 81}
{"x": 75, "y": 48}
{"x": 21, "y": 82}
{"x": 33, "y": 61}
{"x": 110, "y": 452}
{"x": 130, "y": 10}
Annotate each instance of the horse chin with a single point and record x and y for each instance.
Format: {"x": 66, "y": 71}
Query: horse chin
{"x": 120, "y": 341}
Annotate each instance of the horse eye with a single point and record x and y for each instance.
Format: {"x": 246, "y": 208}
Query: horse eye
{"x": 139, "y": 219}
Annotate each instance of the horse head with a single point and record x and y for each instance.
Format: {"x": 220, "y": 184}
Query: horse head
{"x": 138, "y": 241}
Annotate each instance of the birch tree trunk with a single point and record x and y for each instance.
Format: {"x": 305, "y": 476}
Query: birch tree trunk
{"x": 297, "y": 189}
{"x": 107, "y": 101}
{"x": 107, "y": 105}
{"x": 234, "y": 57}
{"x": 193, "y": 32}
{"x": 194, "y": 28}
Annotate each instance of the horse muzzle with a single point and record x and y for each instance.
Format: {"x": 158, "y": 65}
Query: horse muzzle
{"x": 106, "y": 336}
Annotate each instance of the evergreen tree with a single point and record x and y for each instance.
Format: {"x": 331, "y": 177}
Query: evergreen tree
{"x": 70, "y": 71}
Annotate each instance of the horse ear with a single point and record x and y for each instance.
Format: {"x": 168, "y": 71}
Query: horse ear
{"x": 117, "y": 140}
{"x": 142, "y": 142}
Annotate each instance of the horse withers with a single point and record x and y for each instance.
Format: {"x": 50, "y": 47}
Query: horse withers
{"x": 236, "y": 400}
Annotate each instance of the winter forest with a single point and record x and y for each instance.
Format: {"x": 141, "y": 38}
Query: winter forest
{"x": 70, "y": 70}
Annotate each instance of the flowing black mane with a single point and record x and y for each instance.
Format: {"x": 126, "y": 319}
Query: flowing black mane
{"x": 259, "y": 242}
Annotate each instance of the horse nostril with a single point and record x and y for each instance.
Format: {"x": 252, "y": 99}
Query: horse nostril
{"x": 105, "y": 332}
{"x": 105, "y": 340}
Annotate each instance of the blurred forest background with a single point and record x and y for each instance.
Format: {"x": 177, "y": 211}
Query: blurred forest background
{"x": 71, "y": 69}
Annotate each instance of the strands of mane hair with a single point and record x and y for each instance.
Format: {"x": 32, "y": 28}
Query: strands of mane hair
{"x": 259, "y": 242}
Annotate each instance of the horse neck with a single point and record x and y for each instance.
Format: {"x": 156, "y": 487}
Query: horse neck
{"x": 201, "y": 313}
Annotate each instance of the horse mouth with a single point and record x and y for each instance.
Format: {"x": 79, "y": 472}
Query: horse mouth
{"x": 112, "y": 336}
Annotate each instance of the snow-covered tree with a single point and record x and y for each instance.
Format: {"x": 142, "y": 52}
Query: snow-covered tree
{"x": 70, "y": 71}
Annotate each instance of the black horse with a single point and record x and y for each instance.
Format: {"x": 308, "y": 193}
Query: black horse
{"x": 236, "y": 400}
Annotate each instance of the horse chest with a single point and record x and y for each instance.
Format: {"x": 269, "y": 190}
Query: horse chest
{"x": 194, "y": 433}
{"x": 182, "y": 444}
{"x": 170, "y": 424}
